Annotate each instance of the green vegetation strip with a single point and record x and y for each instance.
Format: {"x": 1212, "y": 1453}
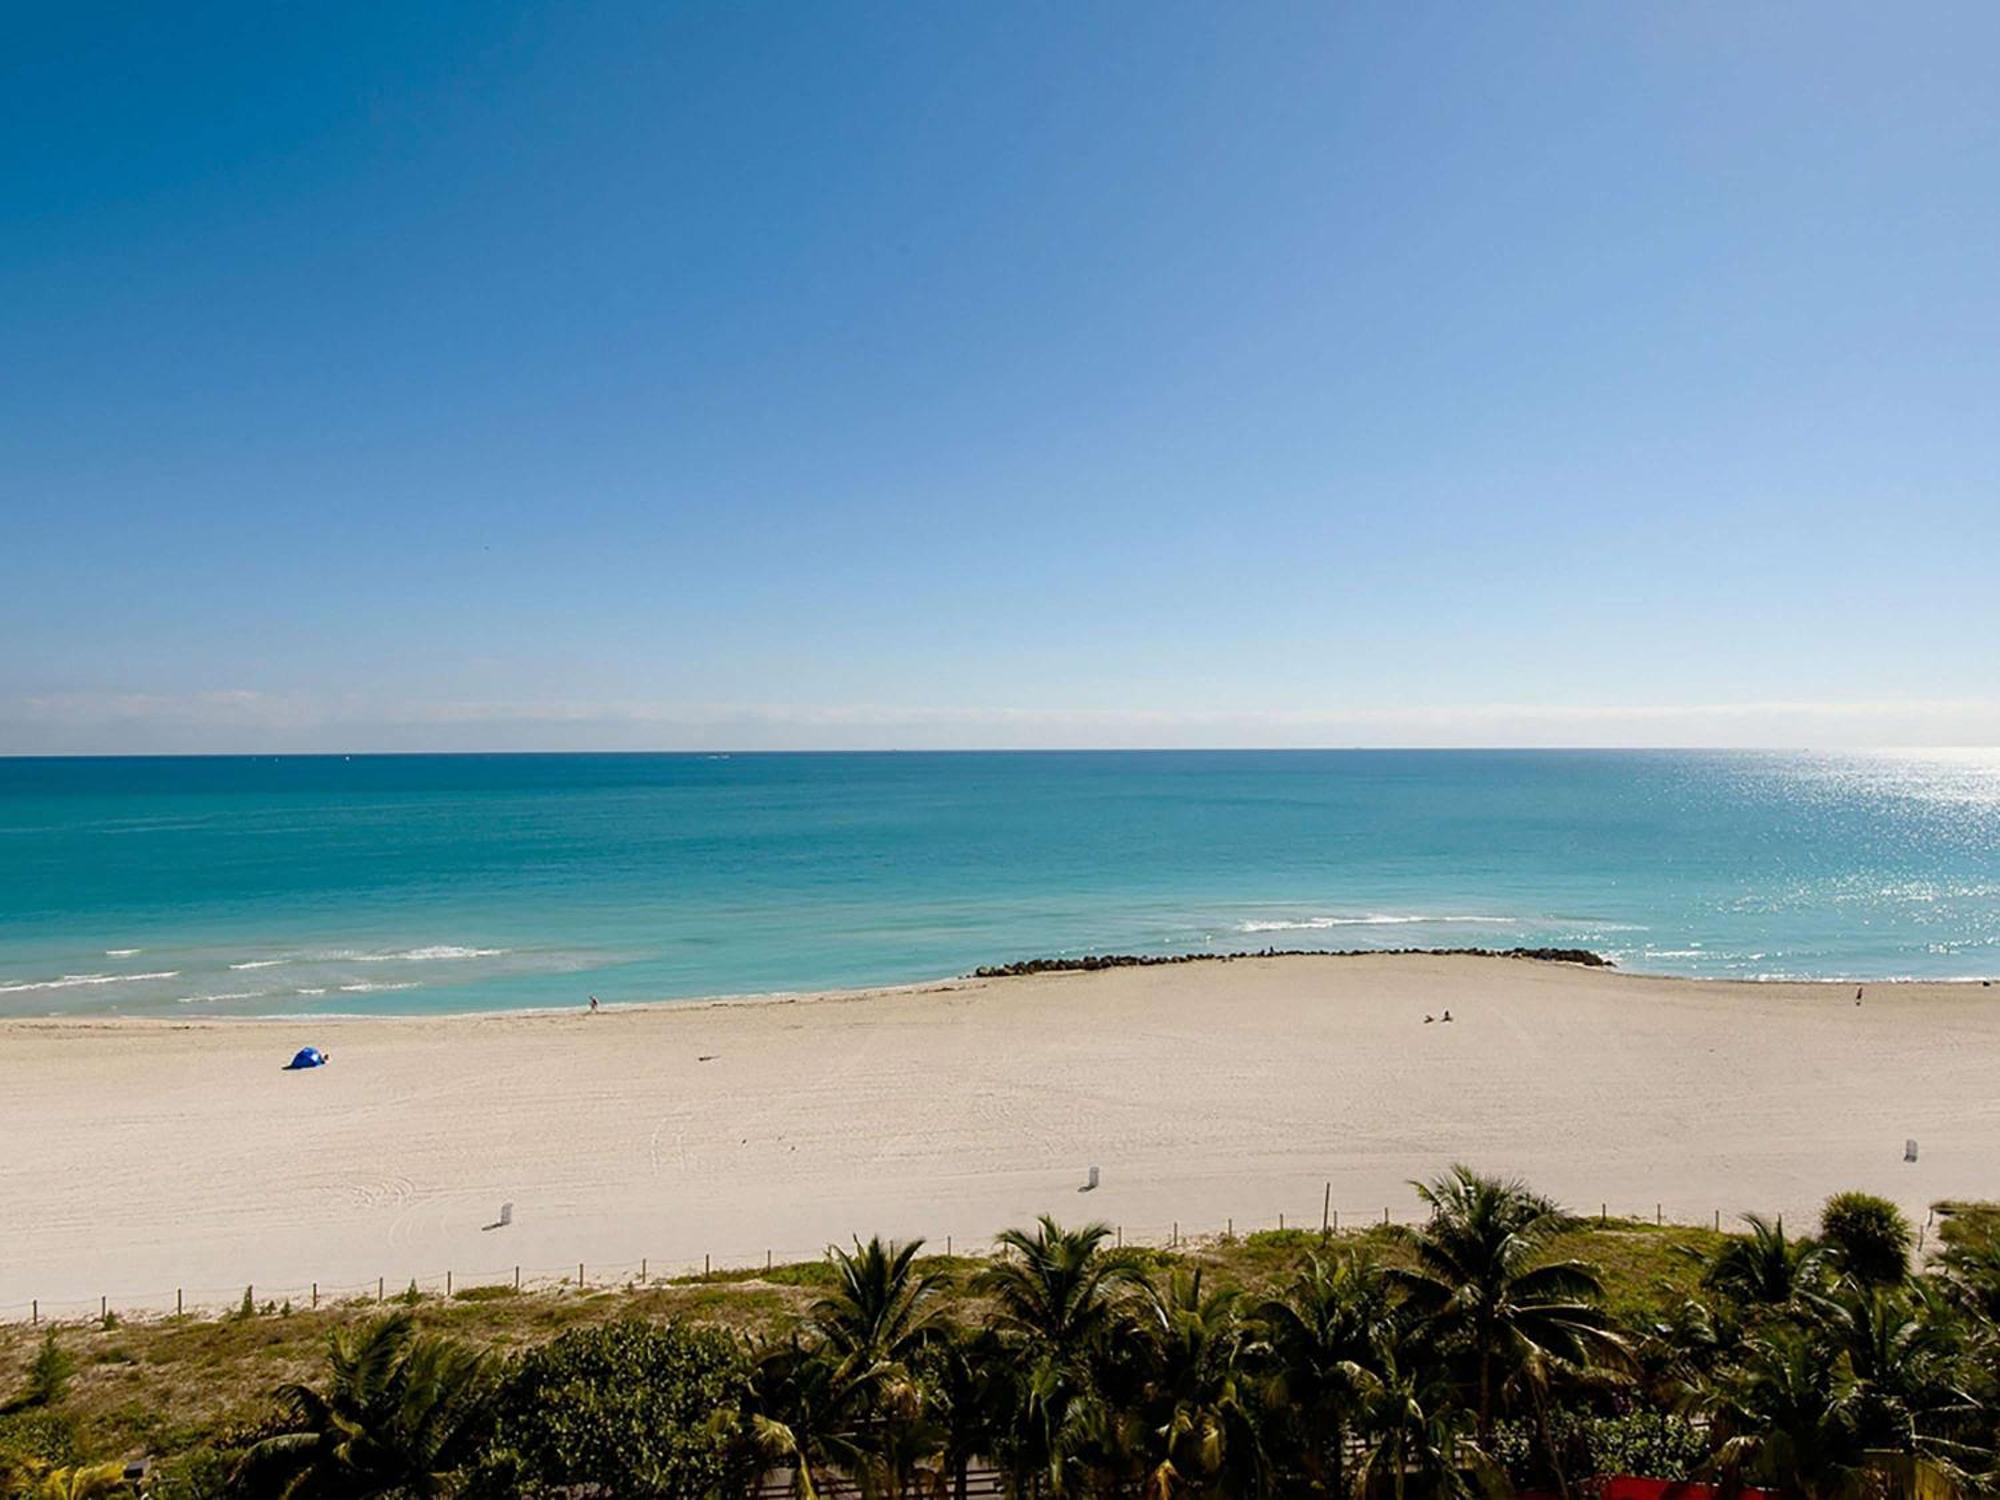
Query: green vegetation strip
{"x": 1499, "y": 1345}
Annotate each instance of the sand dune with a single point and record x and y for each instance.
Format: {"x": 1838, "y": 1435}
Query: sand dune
{"x": 140, "y": 1157}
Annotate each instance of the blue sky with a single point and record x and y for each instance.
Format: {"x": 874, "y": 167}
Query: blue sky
{"x": 487, "y": 376}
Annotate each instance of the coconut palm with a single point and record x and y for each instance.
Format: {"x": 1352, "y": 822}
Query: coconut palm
{"x": 1787, "y": 1419}
{"x": 1320, "y": 1337}
{"x": 1763, "y": 1269}
{"x": 964, "y": 1373}
{"x": 1058, "y": 1295}
{"x": 1484, "y": 1289}
{"x": 881, "y": 1309}
{"x": 879, "y": 1318}
{"x": 1681, "y": 1350}
{"x": 401, "y": 1413}
{"x": 1418, "y": 1440}
{"x": 806, "y": 1409}
{"x": 1972, "y": 1275}
{"x": 1903, "y": 1350}
{"x": 1200, "y": 1430}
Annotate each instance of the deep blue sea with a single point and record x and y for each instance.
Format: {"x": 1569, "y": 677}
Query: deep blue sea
{"x": 259, "y": 886}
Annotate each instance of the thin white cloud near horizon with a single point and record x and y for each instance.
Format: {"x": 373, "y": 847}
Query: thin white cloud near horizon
{"x": 246, "y": 721}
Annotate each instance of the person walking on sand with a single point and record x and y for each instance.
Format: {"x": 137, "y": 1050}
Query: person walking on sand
{"x": 593, "y": 1005}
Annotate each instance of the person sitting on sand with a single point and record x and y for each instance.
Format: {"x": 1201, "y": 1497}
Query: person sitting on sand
{"x": 1447, "y": 1015}
{"x": 1429, "y": 1019}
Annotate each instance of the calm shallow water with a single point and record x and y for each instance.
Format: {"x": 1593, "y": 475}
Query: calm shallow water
{"x": 432, "y": 883}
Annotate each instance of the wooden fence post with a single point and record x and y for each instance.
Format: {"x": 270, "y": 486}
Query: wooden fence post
{"x": 1326, "y": 1213}
{"x": 517, "y": 1278}
{"x": 315, "y": 1294}
{"x": 378, "y": 1289}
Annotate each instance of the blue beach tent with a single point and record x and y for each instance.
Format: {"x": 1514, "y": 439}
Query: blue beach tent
{"x": 308, "y": 1057}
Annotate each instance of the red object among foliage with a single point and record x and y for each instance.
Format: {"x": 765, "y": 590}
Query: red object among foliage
{"x": 1626, "y": 1487}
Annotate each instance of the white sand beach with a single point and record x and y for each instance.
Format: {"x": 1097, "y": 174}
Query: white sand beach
{"x": 142, "y": 1157}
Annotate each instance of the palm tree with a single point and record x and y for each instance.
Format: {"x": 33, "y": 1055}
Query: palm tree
{"x": 1686, "y": 1346}
{"x": 1320, "y": 1337}
{"x": 1415, "y": 1431}
{"x": 1763, "y": 1268}
{"x": 1200, "y": 1429}
{"x": 1484, "y": 1290}
{"x": 881, "y": 1310}
{"x": 880, "y": 1317}
{"x": 963, "y": 1372}
{"x": 1786, "y": 1418}
{"x": 1903, "y": 1350}
{"x": 401, "y": 1413}
{"x": 1972, "y": 1274}
{"x": 1057, "y": 1300}
{"x": 805, "y": 1409}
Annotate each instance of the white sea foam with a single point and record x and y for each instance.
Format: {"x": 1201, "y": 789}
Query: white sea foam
{"x": 303, "y": 991}
{"x": 121, "y": 952}
{"x": 74, "y": 981}
{"x": 260, "y": 963}
{"x": 369, "y": 989}
{"x": 1372, "y": 919}
{"x": 428, "y": 955}
{"x": 232, "y": 995}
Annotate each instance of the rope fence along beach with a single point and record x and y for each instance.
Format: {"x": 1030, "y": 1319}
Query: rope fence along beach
{"x": 1325, "y": 1220}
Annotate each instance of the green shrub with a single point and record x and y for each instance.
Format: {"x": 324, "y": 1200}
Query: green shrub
{"x": 1649, "y": 1444}
{"x": 496, "y": 1292}
{"x": 36, "y": 1433}
{"x": 624, "y": 1407}
{"x": 1869, "y": 1237}
{"x": 49, "y": 1372}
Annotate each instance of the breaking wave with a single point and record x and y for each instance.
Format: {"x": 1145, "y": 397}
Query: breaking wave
{"x": 76, "y": 981}
{"x": 428, "y": 955}
{"x": 1372, "y": 919}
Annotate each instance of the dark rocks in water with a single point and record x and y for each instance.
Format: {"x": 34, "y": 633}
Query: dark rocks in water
{"x": 1091, "y": 962}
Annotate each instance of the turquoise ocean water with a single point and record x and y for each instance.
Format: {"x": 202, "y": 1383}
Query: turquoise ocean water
{"x": 259, "y": 886}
